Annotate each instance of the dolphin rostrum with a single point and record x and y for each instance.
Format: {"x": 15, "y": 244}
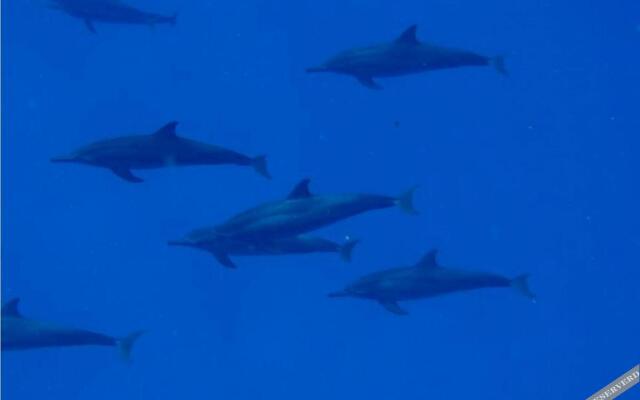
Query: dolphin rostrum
{"x": 109, "y": 11}
{"x": 405, "y": 55}
{"x": 216, "y": 245}
{"x": 425, "y": 279}
{"x": 20, "y": 333}
{"x": 163, "y": 148}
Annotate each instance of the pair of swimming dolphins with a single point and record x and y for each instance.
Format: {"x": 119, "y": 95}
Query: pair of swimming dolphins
{"x": 425, "y": 279}
{"x": 405, "y": 55}
{"x": 279, "y": 227}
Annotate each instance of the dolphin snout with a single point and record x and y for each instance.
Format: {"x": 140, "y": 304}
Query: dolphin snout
{"x": 63, "y": 159}
{"x": 180, "y": 242}
{"x": 317, "y": 69}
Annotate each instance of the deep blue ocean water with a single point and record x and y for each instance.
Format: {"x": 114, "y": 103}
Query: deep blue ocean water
{"x": 536, "y": 173}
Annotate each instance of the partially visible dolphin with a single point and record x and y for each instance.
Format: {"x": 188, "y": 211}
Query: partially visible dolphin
{"x": 221, "y": 249}
{"x": 109, "y": 11}
{"x": 425, "y": 279}
{"x": 163, "y": 148}
{"x": 299, "y": 213}
{"x": 20, "y": 333}
{"x": 405, "y": 55}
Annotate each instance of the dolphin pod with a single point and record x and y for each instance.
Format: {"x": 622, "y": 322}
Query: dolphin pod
{"x": 20, "y": 333}
{"x": 279, "y": 227}
{"x": 278, "y": 223}
{"x": 164, "y": 148}
{"x": 109, "y": 11}
{"x": 405, "y": 55}
{"x": 425, "y": 279}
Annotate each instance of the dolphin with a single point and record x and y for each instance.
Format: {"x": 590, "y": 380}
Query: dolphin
{"x": 425, "y": 279}
{"x": 161, "y": 149}
{"x": 20, "y": 333}
{"x": 221, "y": 248}
{"x": 109, "y": 11}
{"x": 299, "y": 213}
{"x": 405, "y": 55}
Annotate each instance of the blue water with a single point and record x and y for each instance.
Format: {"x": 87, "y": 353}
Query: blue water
{"x": 537, "y": 173}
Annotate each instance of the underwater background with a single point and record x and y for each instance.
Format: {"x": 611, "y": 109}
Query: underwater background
{"x": 537, "y": 172}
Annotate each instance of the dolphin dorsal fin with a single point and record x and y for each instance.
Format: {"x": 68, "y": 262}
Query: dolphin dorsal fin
{"x": 168, "y": 131}
{"x": 429, "y": 260}
{"x": 301, "y": 190}
{"x": 408, "y": 36}
{"x": 10, "y": 308}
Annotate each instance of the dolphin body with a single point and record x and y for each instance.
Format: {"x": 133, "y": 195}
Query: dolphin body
{"x": 405, "y": 55}
{"x": 299, "y": 213}
{"x": 160, "y": 149}
{"x": 216, "y": 245}
{"x": 425, "y": 279}
{"x": 20, "y": 333}
{"x": 109, "y": 11}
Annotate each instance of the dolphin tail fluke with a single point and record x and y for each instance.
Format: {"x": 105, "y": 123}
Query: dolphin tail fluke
{"x": 260, "y": 165}
{"x": 125, "y": 345}
{"x": 346, "y": 250}
{"x": 499, "y": 65}
{"x": 405, "y": 201}
{"x": 521, "y": 284}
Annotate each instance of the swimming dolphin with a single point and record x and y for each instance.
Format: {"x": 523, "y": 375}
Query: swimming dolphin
{"x": 405, "y": 55}
{"x": 425, "y": 279}
{"x": 222, "y": 249}
{"x": 109, "y": 11}
{"x": 299, "y": 213}
{"x": 160, "y": 149}
{"x": 20, "y": 333}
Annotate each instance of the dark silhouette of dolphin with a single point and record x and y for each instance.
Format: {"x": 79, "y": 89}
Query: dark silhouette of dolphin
{"x": 109, "y": 11}
{"x": 405, "y": 55}
{"x": 216, "y": 244}
{"x": 299, "y": 213}
{"x": 20, "y": 333}
{"x": 425, "y": 279}
{"x": 160, "y": 149}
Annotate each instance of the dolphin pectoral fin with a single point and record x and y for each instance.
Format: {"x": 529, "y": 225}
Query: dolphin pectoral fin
{"x": 368, "y": 82}
{"x": 89, "y": 24}
{"x": 126, "y": 174}
{"x": 393, "y": 307}
{"x": 223, "y": 258}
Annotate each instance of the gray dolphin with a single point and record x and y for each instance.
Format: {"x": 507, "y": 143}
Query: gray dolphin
{"x": 222, "y": 249}
{"x": 109, "y": 11}
{"x": 20, "y": 333}
{"x": 425, "y": 279}
{"x": 405, "y": 55}
{"x": 160, "y": 149}
{"x": 299, "y": 213}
